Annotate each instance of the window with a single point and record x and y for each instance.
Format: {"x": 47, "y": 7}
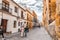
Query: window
{"x": 16, "y": 9}
{"x": 5, "y": 6}
{"x": 21, "y": 23}
{"x": 14, "y": 24}
{"x": 21, "y": 14}
{"x": 49, "y": 9}
{"x": 46, "y": 9}
{"x": 59, "y": 29}
{"x": 49, "y": 1}
{"x": 27, "y": 23}
{"x": 18, "y": 23}
{"x": 24, "y": 22}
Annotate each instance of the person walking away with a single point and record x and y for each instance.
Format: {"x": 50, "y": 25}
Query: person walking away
{"x": 2, "y": 32}
{"x": 26, "y": 30}
{"x": 22, "y": 31}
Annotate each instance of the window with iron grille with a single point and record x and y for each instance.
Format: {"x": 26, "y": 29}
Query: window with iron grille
{"x": 14, "y": 24}
{"x": 16, "y": 9}
{"x": 22, "y": 14}
{"x": 18, "y": 23}
{"x": 5, "y": 6}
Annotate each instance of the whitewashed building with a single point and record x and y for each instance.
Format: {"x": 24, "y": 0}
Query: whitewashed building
{"x": 10, "y": 15}
{"x": 23, "y": 17}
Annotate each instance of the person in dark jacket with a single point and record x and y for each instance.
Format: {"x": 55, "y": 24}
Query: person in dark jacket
{"x": 26, "y": 30}
{"x": 1, "y": 31}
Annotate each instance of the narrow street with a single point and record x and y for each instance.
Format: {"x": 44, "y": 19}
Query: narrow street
{"x": 34, "y": 34}
{"x": 17, "y": 17}
{"x": 39, "y": 34}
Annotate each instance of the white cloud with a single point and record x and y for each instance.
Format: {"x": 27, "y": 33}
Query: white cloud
{"x": 28, "y": 1}
{"x": 33, "y": 4}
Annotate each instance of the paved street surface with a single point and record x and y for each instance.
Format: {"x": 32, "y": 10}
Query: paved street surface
{"x": 34, "y": 34}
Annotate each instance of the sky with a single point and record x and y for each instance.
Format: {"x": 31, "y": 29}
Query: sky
{"x": 36, "y": 5}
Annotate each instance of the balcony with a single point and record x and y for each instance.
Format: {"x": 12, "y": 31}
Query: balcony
{"x": 5, "y": 9}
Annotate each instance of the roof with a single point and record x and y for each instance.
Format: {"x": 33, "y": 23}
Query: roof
{"x": 28, "y": 11}
{"x": 18, "y": 5}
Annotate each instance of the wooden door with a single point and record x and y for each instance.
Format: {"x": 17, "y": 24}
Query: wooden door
{"x": 4, "y": 24}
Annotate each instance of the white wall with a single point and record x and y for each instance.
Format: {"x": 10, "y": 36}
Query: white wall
{"x": 10, "y": 23}
{"x": 0, "y": 1}
{"x": 13, "y": 5}
{"x": 11, "y": 19}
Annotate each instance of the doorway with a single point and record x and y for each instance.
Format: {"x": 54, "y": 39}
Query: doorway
{"x": 4, "y": 24}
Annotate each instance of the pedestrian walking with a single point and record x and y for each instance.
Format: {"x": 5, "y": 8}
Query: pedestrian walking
{"x": 26, "y": 30}
{"x": 2, "y": 32}
{"x": 22, "y": 31}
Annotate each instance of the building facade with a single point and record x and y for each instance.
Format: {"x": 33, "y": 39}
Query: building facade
{"x": 10, "y": 15}
{"x": 14, "y": 16}
{"x": 35, "y": 20}
{"x": 49, "y": 11}
{"x": 45, "y": 13}
{"x": 57, "y": 21}
{"x": 29, "y": 18}
{"x": 52, "y": 9}
{"x": 49, "y": 14}
{"x": 23, "y": 19}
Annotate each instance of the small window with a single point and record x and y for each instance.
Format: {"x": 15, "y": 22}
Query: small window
{"x": 16, "y": 9}
{"x": 21, "y": 23}
{"x": 3, "y": 4}
{"x": 21, "y": 14}
{"x": 24, "y": 22}
{"x": 14, "y": 24}
{"x": 18, "y": 23}
{"x": 59, "y": 29}
{"x": 49, "y": 1}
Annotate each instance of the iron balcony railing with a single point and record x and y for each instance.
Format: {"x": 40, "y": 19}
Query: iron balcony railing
{"x": 3, "y": 8}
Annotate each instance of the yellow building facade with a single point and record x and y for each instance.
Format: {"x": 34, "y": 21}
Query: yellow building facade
{"x": 57, "y": 27}
{"x": 29, "y": 19}
{"x": 31, "y": 16}
{"x": 53, "y": 8}
{"x": 34, "y": 14}
{"x": 35, "y": 22}
{"x": 49, "y": 11}
{"x": 45, "y": 15}
{"x": 57, "y": 21}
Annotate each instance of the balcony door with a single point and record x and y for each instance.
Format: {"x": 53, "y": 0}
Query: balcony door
{"x": 5, "y": 6}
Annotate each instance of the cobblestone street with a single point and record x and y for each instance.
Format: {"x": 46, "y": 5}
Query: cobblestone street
{"x": 34, "y": 34}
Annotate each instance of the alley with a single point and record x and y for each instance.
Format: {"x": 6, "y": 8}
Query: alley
{"x": 34, "y": 34}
